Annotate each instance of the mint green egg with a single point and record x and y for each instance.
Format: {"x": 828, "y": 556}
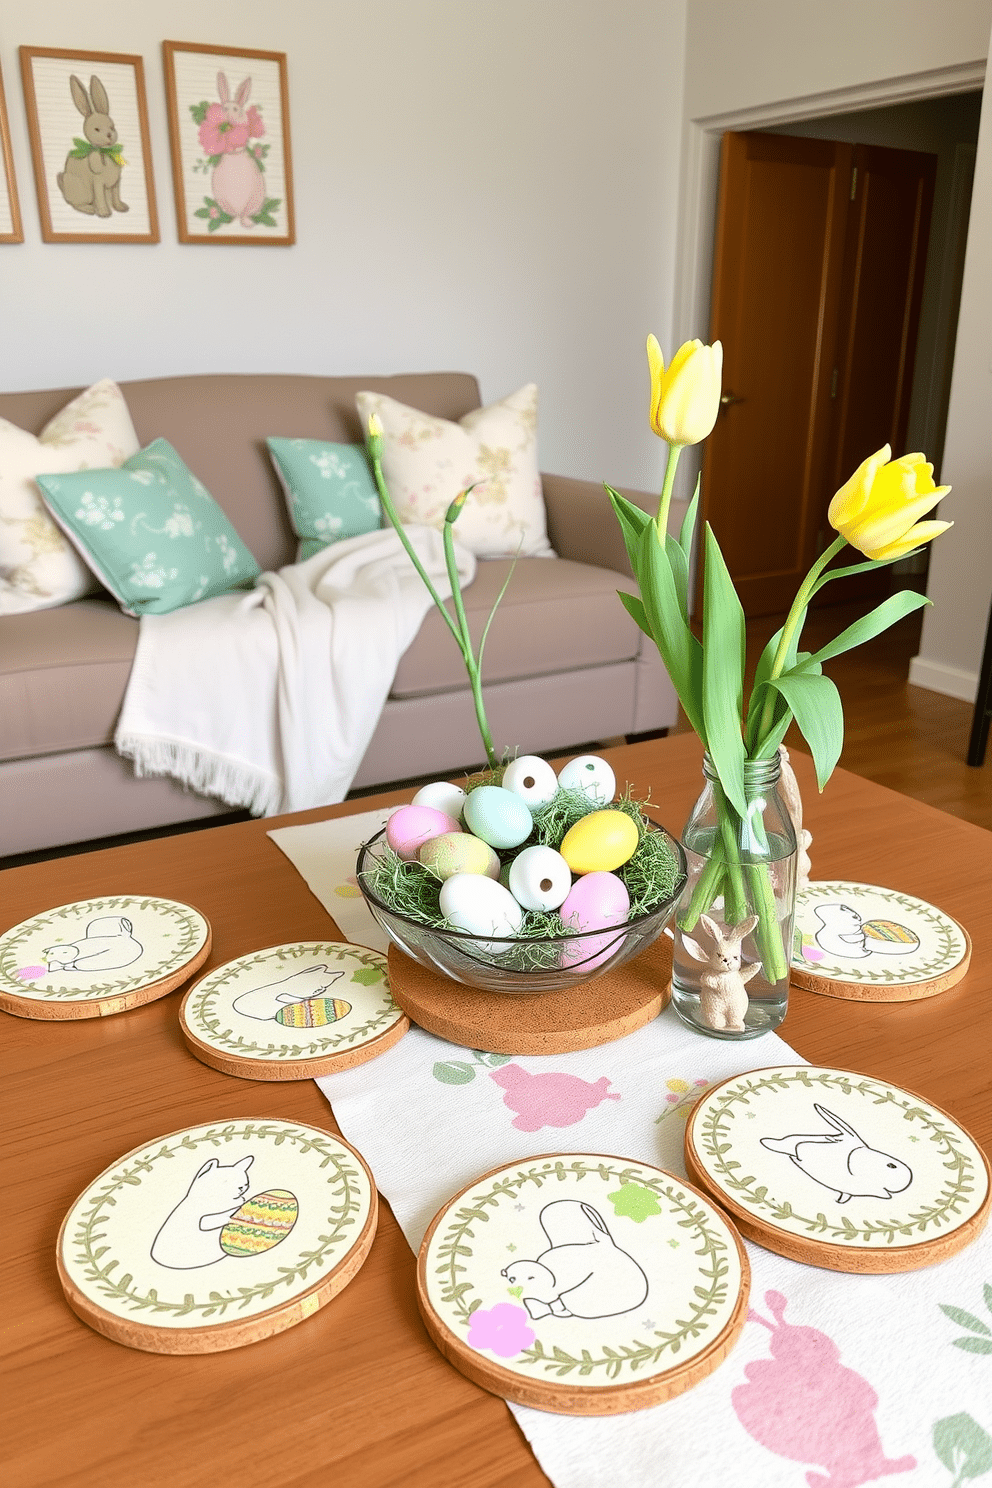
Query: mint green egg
{"x": 498, "y": 816}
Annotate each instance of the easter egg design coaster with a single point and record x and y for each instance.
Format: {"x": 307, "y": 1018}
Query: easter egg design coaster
{"x": 217, "y": 1235}
{"x": 293, "y": 1012}
{"x": 582, "y": 1284}
{"x": 100, "y": 956}
{"x": 868, "y": 944}
{"x": 838, "y": 1169}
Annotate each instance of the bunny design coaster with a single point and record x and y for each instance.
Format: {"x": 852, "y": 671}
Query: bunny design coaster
{"x": 838, "y": 1169}
{"x": 293, "y": 1012}
{"x": 582, "y": 1284}
{"x": 100, "y": 956}
{"x": 868, "y": 944}
{"x": 217, "y": 1236}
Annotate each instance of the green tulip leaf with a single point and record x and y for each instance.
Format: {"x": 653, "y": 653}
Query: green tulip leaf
{"x": 723, "y": 673}
{"x": 680, "y": 650}
{"x": 817, "y": 709}
{"x": 869, "y": 566}
{"x": 689, "y": 522}
{"x": 680, "y": 573}
{"x": 764, "y": 747}
{"x": 896, "y": 607}
{"x": 635, "y": 609}
{"x": 632, "y": 522}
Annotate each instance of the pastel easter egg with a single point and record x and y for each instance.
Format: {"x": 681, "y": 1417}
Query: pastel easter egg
{"x": 316, "y": 1012}
{"x": 479, "y": 906}
{"x": 443, "y": 796}
{"x": 411, "y": 826}
{"x": 596, "y": 902}
{"x": 30, "y": 973}
{"x": 599, "y": 842}
{"x": 532, "y": 779}
{"x": 261, "y": 1222}
{"x": 589, "y": 773}
{"x": 458, "y": 852}
{"x": 889, "y": 938}
{"x": 539, "y": 878}
{"x": 498, "y": 816}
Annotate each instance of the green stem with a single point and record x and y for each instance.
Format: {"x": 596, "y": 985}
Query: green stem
{"x": 471, "y": 665}
{"x": 707, "y": 888}
{"x": 735, "y": 901}
{"x": 390, "y": 510}
{"x": 799, "y": 604}
{"x": 674, "y": 451}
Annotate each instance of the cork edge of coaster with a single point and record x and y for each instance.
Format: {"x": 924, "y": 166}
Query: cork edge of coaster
{"x": 808, "y": 1252}
{"x": 219, "y": 1337}
{"x": 559, "y": 1399}
{"x": 899, "y": 992}
{"x": 105, "y": 1007}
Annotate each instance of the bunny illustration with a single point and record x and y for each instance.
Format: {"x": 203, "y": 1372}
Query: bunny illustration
{"x": 805, "y": 1405}
{"x": 794, "y": 802}
{"x": 584, "y": 1274}
{"x": 237, "y": 182}
{"x": 108, "y": 945}
{"x": 840, "y": 932}
{"x": 843, "y": 1161}
{"x": 190, "y": 1236}
{"x": 90, "y": 179}
{"x": 723, "y": 999}
{"x": 301, "y": 986}
{"x": 549, "y": 1100}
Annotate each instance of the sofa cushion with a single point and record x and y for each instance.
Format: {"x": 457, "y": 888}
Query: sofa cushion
{"x": 330, "y": 491}
{"x": 555, "y": 615}
{"x": 62, "y": 677}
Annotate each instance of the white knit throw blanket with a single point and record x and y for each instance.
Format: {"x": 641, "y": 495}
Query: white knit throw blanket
{"x": 268, "y": 700}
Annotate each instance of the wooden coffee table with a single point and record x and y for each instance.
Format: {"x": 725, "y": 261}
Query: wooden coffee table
{"x": 317, "y": 1405}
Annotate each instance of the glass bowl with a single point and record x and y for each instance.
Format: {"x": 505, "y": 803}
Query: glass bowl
{"x": 515, "y": 964}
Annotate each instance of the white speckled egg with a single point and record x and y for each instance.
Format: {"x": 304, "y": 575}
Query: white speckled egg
{"x": 595, "y": 902}
{"x": 591, "y": 774}
{"x": 411, "y": 826}
{"x": 458, "y": 852}
{"x": 497, "y": 816}
{"x": 479, "y": 906}
{"x": 532, "y": 779}
{"x": 539, "y": 878}
{"x": 443, "y": 796}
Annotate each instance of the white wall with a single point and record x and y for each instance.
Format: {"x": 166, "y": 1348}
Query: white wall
{"x": 768, "y": 61}
{"x": 481, "y": 187}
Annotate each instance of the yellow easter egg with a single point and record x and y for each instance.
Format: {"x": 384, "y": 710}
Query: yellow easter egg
{"x": 316, "y": 1012}
{"x": 261, "y": 1222}
{"x": 599, "y": 842}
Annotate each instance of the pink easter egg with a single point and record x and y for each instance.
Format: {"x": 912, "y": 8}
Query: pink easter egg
{"x": 595, "y": 901}
{"x": 409, "y": 827}
{"x": 30, "y": 973}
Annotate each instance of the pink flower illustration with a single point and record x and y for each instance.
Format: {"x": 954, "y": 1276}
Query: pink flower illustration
{"x": 502, "y": 1329}
{"x": 255, "y": 126}
{"x": 219, "y": 136}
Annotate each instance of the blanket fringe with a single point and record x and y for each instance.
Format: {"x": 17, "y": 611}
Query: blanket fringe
{"x": 231, "y": 781}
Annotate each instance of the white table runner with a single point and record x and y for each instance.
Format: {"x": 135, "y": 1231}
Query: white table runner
{"x": 837, "y": 1380}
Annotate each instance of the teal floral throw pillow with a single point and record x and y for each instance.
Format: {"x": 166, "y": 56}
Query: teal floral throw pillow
{"x": 150, "y": 531}
{"x": 330, "y": 491}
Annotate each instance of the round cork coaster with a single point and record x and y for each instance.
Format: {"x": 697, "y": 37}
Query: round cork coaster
{"x": 217, "y": 1236}
{"x": 582, "y": 1284}
{"x": 868, "y": 944}
{"x": 100, "y": 956}
{"x": 838, "y": 1169}
{"x": 582, "y": 1017}
{"x": 293, "y": 1012}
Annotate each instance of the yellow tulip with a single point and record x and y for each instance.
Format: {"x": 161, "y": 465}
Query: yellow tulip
{"x": 877, "y": 509}
{"x": 685, "y": 400}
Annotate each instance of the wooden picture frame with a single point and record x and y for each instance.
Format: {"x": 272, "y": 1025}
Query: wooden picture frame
{"x": 231, "y": 159}
{"x": 11, "y": 230}
{"x": 78, "y": 203}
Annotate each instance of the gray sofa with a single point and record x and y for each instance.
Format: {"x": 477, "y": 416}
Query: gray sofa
{"x": 564, "y": 664}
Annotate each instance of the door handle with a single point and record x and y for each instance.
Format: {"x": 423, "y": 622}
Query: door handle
{"x": 730, "y": 398}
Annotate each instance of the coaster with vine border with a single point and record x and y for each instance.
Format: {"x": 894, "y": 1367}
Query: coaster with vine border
{"x": 582, "y": 1284}
{"x": 292, "y": 1012}
{"x": 838, "y": 1169}
{"x": 863, "y": 943}
{"x": 217, "y": 1235}
{"x": 100, "y": 956}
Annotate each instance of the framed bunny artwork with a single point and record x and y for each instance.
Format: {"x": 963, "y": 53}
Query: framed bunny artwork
{"x": 10, "y": 214}
{"x": 229, "y": 131}
{"x": 88, "y": 122}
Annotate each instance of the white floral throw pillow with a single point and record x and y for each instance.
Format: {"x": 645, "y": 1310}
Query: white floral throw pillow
{"x": 39, "y": 567}
{"x": 428, "y": 460}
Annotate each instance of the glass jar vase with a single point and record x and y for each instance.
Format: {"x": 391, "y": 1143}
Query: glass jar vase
{"x": 733, "y": 923}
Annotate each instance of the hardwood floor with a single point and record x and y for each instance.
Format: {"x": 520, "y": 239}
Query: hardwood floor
{"x": 908, "y": 738}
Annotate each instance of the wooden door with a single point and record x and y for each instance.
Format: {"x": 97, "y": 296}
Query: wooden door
{"x": 818, "y": 274}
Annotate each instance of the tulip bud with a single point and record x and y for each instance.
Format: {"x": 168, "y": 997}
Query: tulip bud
{"x": 685, "y": 400}
{"x": 374, "y": 442}
{"x": 452, "y": 514}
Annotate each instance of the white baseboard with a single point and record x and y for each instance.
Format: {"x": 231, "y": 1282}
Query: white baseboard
{"x": 939, "y": 677}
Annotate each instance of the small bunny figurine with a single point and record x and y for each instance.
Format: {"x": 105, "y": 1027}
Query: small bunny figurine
{"x": 723, "y": 999}
{"x": 238, "y": 183}
{"x": 90, "y": 180}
